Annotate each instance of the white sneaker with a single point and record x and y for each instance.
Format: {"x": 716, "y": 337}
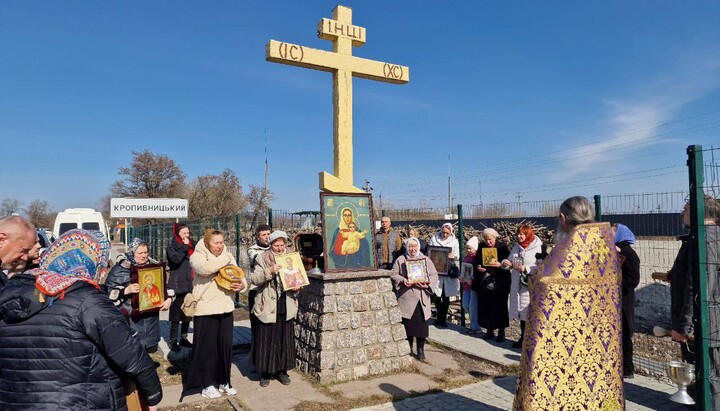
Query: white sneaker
{"x": 227, "y": 389}
{"x": 211, "y": 392}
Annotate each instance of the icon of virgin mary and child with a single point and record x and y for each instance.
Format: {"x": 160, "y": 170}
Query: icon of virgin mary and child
{"x": 350, "y": 246}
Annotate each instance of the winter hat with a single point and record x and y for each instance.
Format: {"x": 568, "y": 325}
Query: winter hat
{"x": 473, "y": 243}
{"x": 278, "y": 234}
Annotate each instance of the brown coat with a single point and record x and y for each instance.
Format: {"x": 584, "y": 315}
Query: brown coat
{"x": 269, "y": 291}
{"x": 408, "y": 297}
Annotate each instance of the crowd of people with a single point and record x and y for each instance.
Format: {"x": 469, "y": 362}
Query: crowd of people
{"x": 70, "y": 306}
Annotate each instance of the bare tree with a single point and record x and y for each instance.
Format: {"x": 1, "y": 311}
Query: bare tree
{"x": 258, "y": 203}
{"x": 150, "y": 175}
{"x": 39, "y": 213}
{"x": 9, "y": 206}
{"x": 216, "y": 195}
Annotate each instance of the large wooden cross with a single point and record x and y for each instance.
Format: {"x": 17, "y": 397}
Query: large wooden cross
{"x": 344, "y": 66}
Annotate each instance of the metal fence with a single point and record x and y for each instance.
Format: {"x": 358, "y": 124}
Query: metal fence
{"x": 704, "y": 173}
{"x": 158, "y": 236}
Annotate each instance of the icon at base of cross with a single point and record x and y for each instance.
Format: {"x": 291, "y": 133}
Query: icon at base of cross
{"x": 344, "y": 66}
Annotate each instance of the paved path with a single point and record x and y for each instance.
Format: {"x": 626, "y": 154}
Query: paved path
{"x": 642, "y": 393}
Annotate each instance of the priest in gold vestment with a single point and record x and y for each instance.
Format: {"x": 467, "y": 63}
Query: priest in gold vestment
{"x": 572, "y": 354}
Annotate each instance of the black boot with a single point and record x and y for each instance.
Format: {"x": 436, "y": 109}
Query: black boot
{"x": 410, "y": 340}
{"x": 501, "y": 335}
{"x": 489, "y": 334}
{"x": 421, "y": 349}
{"x": 441, "y": 304}
{"x": 174, "y": 341}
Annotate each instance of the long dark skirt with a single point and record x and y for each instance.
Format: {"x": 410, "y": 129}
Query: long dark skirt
{"x": 253, "y": 323}
{"x": 416, "y": 326}
{"x": 212, "y": 351}
{"x": 274, "y": 343}
{"x": 176, "y": 314}
{"x": 493, "y": 309}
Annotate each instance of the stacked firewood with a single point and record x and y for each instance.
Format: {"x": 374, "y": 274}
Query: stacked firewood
{"x": 506, "y": 230}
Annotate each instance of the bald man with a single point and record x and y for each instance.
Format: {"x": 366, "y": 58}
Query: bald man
{"x": 17, "y": 239}
{"x": 388, "y": 244}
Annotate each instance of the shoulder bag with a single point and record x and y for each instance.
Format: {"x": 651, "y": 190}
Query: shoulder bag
{"x": 190, "y": 303}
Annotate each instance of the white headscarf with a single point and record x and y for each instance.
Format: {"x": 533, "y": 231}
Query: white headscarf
{"x": 407, "y": 247}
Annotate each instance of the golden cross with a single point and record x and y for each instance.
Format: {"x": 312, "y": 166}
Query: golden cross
{"x": 344, "y": 67}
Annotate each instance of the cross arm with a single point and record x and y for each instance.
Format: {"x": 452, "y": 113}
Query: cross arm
{"x": 296, "y": 55}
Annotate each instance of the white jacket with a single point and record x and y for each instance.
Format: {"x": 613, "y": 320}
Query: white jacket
{"x": 519, "y": 298}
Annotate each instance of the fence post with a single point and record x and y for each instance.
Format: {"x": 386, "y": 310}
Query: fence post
{"x": 699, "y": 260}
{"x": 237, "y": 238}
{"x": 598, "y": 208}
{"x": 270, "y": 217}
{"x": 461, "y": 244}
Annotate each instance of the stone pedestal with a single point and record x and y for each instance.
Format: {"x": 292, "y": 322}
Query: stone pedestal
{"x": 349, "y": 326}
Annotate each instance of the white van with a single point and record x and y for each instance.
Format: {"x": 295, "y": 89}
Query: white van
{"x": 85, "y": 218}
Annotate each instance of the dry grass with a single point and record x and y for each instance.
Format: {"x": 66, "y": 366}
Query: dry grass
{"x": 224, "y": 404}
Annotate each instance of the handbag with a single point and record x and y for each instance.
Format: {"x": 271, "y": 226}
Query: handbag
{"x": 190, "y": 303}
{"x": 524, "y": 278}
{"x": 454, "y": 271}
{"x": 488, "y": 282}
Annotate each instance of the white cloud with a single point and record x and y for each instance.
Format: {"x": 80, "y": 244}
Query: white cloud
{"x": 638, "y": 120}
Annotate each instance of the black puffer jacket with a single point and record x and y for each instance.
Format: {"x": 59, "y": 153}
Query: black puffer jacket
{"x": 67, "y": 354}
{"x": 181, "y": 279}
{"x": 147, "y": 325}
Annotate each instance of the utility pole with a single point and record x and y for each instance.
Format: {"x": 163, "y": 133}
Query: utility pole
{"x": 367, "y": 187}
{"x": 449, "y": 198}
{"x": 266, "y": 195}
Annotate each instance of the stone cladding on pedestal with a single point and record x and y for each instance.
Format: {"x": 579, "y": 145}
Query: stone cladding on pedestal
{"x": 349, "y": 326}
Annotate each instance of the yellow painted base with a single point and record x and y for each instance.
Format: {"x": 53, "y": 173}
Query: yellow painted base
{"x": 331, "y": 184}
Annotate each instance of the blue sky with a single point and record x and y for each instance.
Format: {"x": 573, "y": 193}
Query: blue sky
{"x": 540, "y": 99}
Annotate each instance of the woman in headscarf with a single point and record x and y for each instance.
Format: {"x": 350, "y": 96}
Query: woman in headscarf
{"x": 630, "y": 270}
{"x": 447, "y": 286}
{"x": 413, "y": 232}
{"x": 469, "y": 296}
{"x": 492, "y": 283}
{"x": 63, "y": 345}
{"x": 181, "y": 281}
{"x": 120, "y": 290}
{"x": 275, "y": 309}
{"x": 211, "y": 355}
{"x": 414, "y": 298}
{"x": 521, "y": 262}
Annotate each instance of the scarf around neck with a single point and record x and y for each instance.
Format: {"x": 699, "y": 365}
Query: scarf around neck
{"x": 528, "y": 240}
